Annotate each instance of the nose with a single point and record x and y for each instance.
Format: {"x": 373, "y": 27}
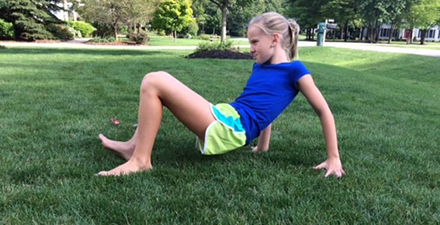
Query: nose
{"x": 252, "y": 49}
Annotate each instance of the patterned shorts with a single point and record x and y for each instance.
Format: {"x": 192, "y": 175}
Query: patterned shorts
{"x": 225, "y": 134}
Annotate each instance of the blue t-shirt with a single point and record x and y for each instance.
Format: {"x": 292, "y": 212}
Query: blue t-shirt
{"x": 269, "y": 90}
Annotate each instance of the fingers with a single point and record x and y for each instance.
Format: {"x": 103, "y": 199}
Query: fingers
{"x": 337, "y": 173}
{"x": 320, "y": 166}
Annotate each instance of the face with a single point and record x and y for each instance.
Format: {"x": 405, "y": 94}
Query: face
{"x": 260, "y": 45}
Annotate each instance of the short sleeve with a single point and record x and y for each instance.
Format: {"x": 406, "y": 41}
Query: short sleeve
{"x": 298, "y": 70}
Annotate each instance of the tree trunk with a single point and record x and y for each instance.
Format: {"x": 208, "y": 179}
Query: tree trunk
{"x": 361, "y": 33}
{"x": 376, "y": 32}
{"x": 115, "y": 31}
{"x": 371, "y": 34}
{"x": 309, "y": 34}
{"x": 423, "y": 35}
{"x": 411, "y": 34}
{"x": 65, "y": 12}
{"x": 224, "y": 11}
{"x": 345, "y": 31}
{"x": 391, "y": 33}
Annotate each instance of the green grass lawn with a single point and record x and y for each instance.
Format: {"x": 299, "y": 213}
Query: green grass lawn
{"x": 55, "y": 102}
{"x": 156, "y": 40}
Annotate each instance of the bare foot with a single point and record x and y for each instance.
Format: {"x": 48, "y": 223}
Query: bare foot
{"x": 129, "y": 167}
{"x": 121, "y": 149}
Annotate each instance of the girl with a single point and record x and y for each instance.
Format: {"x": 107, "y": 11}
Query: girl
{"x": 274, "y": 83}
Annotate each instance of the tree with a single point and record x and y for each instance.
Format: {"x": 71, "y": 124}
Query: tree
{"x": 344, "y": 11}
{"x": 172, "y": 16}
{"x": 423, "y": 14}
{"x": 32, "y": 19}
{"x": 223, "y": 5}
{"x": 240, "y": 16}
{"x": 115, "y": 13}
{"x": 307, "y": 13}
{"x": 374, "y": 14}
{"x": 395, "y": 13}
{"x": 140, "y": 12}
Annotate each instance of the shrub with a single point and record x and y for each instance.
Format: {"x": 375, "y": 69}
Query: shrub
{"x": 193, "y": 28}
{"x": 102, "y": 30}
{"x": 86, "y": 29}
{"x": 139, "y": 38}
{"x": 209, "y": 46}
{"x": 205, "y": 37}
{"x": 61, "y": 32}
{"x": 6, "y": 30}
{"x": 161, "y": 33}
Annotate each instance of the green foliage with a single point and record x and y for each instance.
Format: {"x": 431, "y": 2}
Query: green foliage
{"x": 239, "y": 15}
{"x": 217, "y": 45}
{"x": 172, "y": 16}
{"x": 102, "y": 40}
{"x": 193, "y": 28}
{"x": 61, "y": 32}
{"x": 6, "y": 30}
{"x": 205, "y": 37}
{"x": 425, "y": 13}
{"x": 103, "y": 30}
{"x": 31, "y": 19}
{"x": 112, "y": 14}
{"x": 86, "y": 29}
{"x": 307, "y": 13}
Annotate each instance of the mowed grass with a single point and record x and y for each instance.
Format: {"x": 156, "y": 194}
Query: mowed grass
{"x": 55, "y": 102}
{"x": 156, "y": 40}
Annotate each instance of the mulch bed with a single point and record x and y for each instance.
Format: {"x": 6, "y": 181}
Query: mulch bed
{"x": 114, "y": 43}
{"x": 218, "y": 54}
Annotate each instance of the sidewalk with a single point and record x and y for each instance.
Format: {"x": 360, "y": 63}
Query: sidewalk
{"x": 79, "y": 44}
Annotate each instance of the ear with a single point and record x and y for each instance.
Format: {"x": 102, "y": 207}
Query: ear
{"x": 276, "y": 39}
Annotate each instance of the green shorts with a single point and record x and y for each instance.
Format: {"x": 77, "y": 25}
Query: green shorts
{"x": 224, "y": 134}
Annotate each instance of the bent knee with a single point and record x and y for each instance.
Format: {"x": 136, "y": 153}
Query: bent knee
{"x": 153, "y": 79}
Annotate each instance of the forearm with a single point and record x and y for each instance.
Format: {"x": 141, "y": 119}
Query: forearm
{"x": 329, "y": 131}
{"x": 264, "y": 139}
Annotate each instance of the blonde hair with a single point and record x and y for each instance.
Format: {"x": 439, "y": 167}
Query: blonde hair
{"x": 272, "y": 22}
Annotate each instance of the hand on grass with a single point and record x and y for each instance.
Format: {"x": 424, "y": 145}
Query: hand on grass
{"x": 256, "y": 149}
{"x": 332, "y": 166}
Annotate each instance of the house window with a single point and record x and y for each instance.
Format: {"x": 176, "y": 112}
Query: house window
{"x": 431, "y": 33}
{"x": 384, "y": 32}
{"x": 396, "y": 33}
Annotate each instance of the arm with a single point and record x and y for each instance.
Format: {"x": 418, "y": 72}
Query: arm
{"x": 333, "y": 164}
{"x": 263, "y": 140}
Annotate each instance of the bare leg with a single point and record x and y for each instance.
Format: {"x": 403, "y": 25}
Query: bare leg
{"x": 157, "y": 90}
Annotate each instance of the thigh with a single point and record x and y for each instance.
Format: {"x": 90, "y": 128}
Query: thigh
{"x": 189, "y": 107}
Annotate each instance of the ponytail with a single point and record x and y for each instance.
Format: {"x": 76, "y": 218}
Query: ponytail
{"x": 294, "y": 33}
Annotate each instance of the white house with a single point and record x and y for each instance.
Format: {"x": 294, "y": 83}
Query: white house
{"x": 433, "y": 34}
{"x": 67, "y": 13}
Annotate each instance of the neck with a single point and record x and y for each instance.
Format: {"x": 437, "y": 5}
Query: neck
{"x": 278, "y": 57}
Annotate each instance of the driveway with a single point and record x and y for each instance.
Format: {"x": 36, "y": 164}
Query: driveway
{"x": 79, "y": 43}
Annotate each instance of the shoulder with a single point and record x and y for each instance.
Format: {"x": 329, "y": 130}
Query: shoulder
{"x": 298, "y": 66}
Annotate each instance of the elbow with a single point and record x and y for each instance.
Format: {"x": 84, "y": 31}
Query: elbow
{"x": 324, "y": 113}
